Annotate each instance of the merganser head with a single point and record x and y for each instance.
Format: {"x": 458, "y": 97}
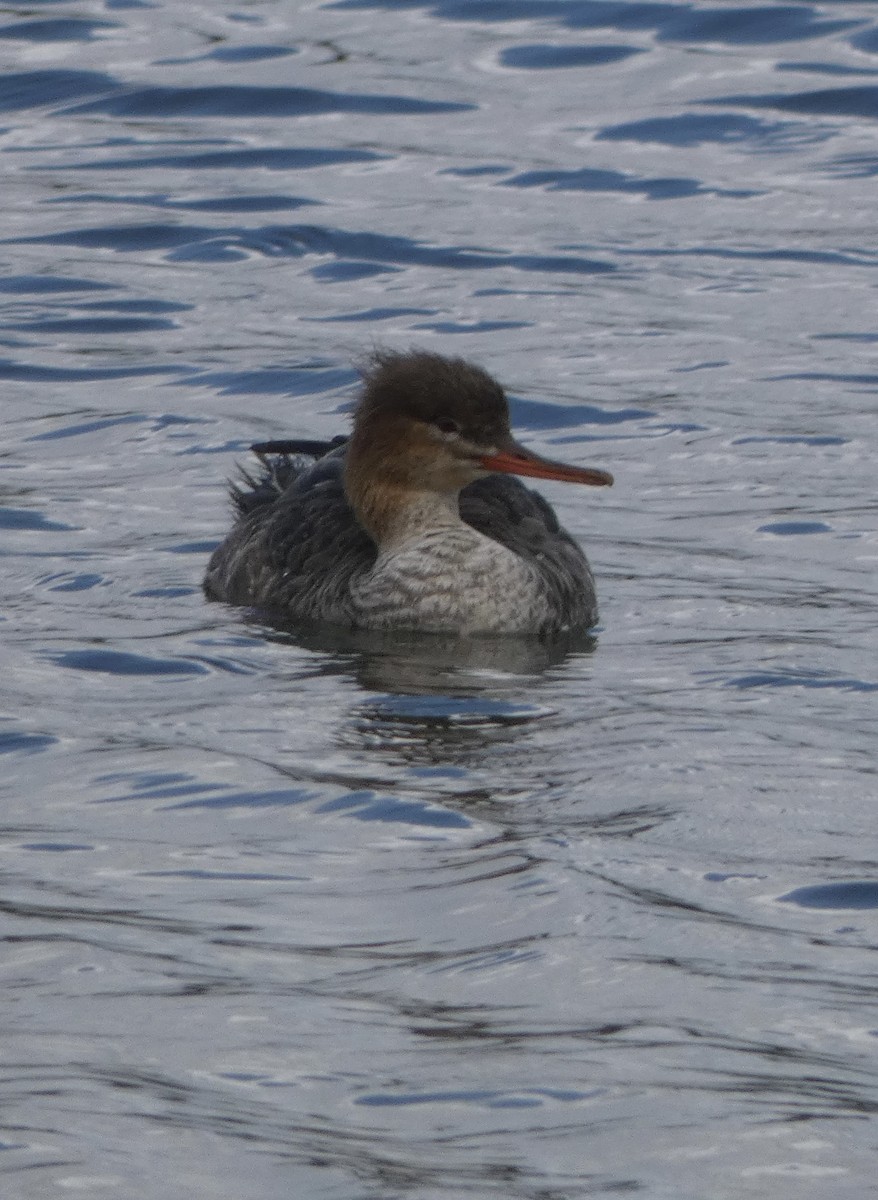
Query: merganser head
{"x": 429, "y": 423}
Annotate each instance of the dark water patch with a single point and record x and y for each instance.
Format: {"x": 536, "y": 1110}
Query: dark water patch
{"x": 350, "y": 247}
{"x": 727, "y": 876}
{"x": 866, "y": 338}
{"x": 89, "y": 326}
{"x": 348, "y": 271}
{"x": 278, "y": 381}
{"x": 243, "y": 101}
{"x": 666, "y": 429}
{"x": 55, "y": 847}
{"x": 526, "y": 1098}
{"x": 739, "y": 26}
{"x": 166, "y": 420}
{"x": 36, "y": 285}
{"x": 538, "y": 414}
{"x": 590, "y": 179}
{"x": 853, "y": 894}
{"x": 32, "y": 89}
{"x": 670, "y": 22}
{"x": 250, "y": 53}
{"x": 187, "y": 242}
{"x": 867, "y": 40}
{"x": 66, "y": 912}
{"x": 230, "y": 876}
{"x": 244, "y": 203}
{"x": 67, "y": 582}
{"x": 453, "y": 710}
{"x": 542, "y": 57}
{"x": 199, "y": 548}
{"x": 374, "y": 247}
{"x": 232, "y": 54}
{"x": 125, "y": 237}
{"x": 141, "y": 306}
{"x": 119, "y": 662}
{"x": 375, "y": 314}
{"x": 80, "y": 428}
{"x": 800, "y": 679}
{"x": 230, "y": 446}
{"x": 859, "y": 258}
{"x": 168, "y": 593}
{"x": 476, "y": 172}
{"x": 158, "y": 785}
{"x": 709, "y": 365}
{"x": 213, "y": 250}
{"x": 825, "y": 102}
{"x": 521, "y": 291}
{"x": 794, "y": 528}
{"x": 484, "y": 10}
{"x": 853, "y": 166}
{"x": 261, "y": 203}
{"x": 503, "y": 955}
{"x": 222, "y": 799}
{"x": 227, "y": 666}
{"x": 820, "y": 68}
{"x": 481, "y": 10}
{"x": 17, "y": 742}
{"x": 67, "y": 29}
{"x": 452, "y": 327}
{"x": 867, "y": 381}
{"x": 266, "y": 158}
{"x": 548, "y": 263}
{"x": 368, "y": 806}
{"x": 688, "y": 129}
{"x": 793, "y": 440}
{"x": 31, "y": 521}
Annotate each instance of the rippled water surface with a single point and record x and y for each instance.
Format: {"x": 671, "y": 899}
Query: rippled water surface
{"x": 352, "y": 920}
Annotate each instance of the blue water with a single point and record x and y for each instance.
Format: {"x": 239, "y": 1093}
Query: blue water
{"x": 353, "y": 919}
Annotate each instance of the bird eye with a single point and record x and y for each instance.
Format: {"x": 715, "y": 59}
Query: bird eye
{"x": 447, "y": 425}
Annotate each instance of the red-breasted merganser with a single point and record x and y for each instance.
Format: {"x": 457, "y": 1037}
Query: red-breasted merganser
{"x": 407, "y": 524}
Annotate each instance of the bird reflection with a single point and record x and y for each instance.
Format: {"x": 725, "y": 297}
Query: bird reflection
{"x": 435, "y": 700}
{"x": 430, "y": 664}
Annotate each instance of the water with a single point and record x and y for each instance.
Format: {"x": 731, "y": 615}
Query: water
{"x": 344, "y": 919}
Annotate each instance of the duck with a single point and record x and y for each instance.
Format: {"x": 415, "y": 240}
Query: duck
{"x": 416, "y": 521}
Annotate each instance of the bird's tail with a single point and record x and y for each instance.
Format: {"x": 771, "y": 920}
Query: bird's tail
{"x": 281, "y": 463}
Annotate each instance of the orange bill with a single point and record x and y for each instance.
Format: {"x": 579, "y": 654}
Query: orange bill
{"x": 514, "y": 459}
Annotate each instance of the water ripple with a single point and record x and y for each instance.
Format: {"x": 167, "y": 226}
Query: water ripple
{"x": 861, "y": 101}
{"x": 298, "y": 240}
{"x": 541, "y": 57}
{"x": 758, "y": 25}
{"x": 29, "y": 89}
{"x": 64, "y": 29}
{"x": 589, "y": 179}
{"x": 269, "y": 158}
{"x": 690, "y": 129}
{"x": 333, "y": 913}
{"x": 231, "y": 100}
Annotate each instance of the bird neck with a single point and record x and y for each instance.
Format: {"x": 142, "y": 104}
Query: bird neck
{"x": 394, "y": 514}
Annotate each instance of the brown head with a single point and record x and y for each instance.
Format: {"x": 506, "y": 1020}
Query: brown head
{"x": 426, "y": 423}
